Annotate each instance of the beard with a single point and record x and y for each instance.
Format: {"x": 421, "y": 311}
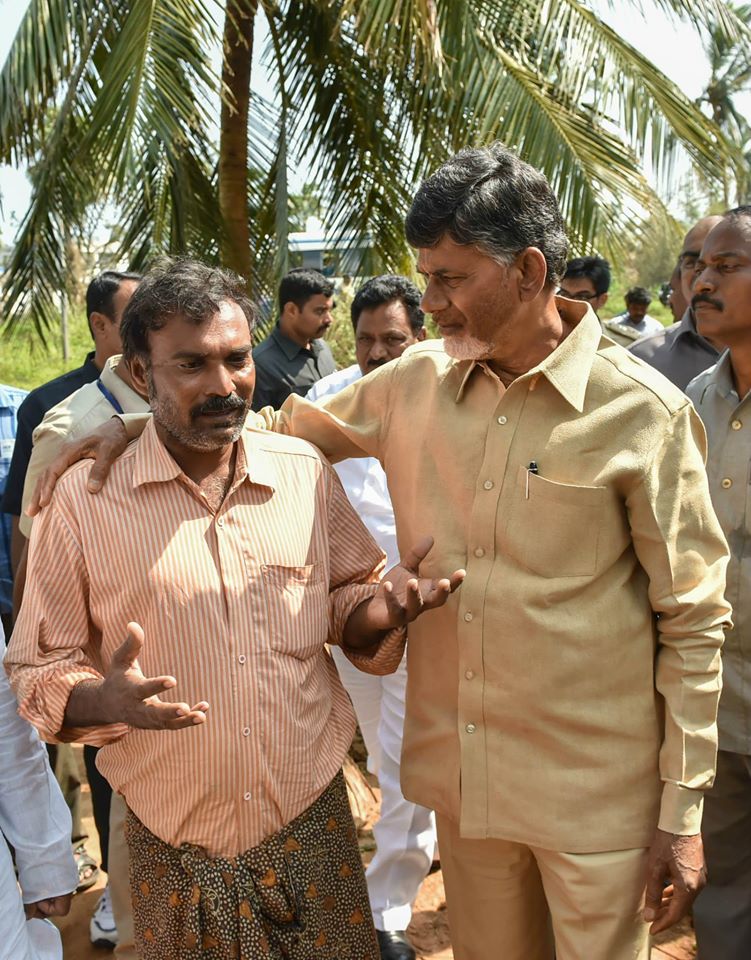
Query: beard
{"x": 468, "y": 348}
{"x": 191, "y": 434}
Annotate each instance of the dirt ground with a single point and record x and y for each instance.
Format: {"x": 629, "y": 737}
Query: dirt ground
{"x": 428, "y": 931}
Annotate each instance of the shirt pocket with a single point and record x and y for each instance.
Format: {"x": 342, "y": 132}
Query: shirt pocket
{"x": 554, "y": 528}
{"x": 297, "y": 608}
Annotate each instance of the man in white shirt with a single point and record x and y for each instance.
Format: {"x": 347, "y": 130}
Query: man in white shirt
{"x": 634, "y": 323}
{"x": 35, "y": 820}
{"x": 387, "y": 319}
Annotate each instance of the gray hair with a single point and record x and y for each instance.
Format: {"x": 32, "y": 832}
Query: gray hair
{"x": 489, "y": 198}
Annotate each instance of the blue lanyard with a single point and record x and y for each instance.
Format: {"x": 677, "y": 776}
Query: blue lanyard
{"x": 110, "y": 397}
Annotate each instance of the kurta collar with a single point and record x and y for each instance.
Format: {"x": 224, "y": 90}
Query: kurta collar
{"x": 126, "y": 396}
{"x": 568, "y": 367}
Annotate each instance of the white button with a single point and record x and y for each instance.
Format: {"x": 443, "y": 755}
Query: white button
{"x": 220, "y": 522}
{"x": 726, "y": 483}
{"x": 488, "y": 484}
{"x": 246, "y": 731}
{"x": 736, "y": 424}
{"x": 470, "y": 728}
{"x": 247, "y": 796}
{"x": 502, "y": 420}
{"x": 468, "y": 616}
{"x": 479, "y": 552}
{"x": 469, "y": 674}
{"x": 242, "y": 658}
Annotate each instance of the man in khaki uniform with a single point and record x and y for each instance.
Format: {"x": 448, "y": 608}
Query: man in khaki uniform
{"x": 560, "y": 712}
{"x": 722, "y": 396}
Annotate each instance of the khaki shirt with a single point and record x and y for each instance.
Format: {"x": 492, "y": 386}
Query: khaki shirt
{"x": 546, "y": 701}
{"x": 728, "y": 423}
{"x": 75, "y": 416}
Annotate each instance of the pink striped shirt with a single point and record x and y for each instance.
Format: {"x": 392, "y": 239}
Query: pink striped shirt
{"x": 237, "y": 604}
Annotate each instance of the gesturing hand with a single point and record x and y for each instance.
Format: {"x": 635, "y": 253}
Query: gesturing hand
{"x": 133, "y": 698}
{"x": 403, "y": 595}
{"x": 680, "y": 860}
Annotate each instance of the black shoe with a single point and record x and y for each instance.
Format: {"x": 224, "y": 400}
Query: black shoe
{"x": 394, "y": 945}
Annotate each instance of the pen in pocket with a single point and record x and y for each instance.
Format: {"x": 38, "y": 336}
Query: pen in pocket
{"x": 532, "y": 468}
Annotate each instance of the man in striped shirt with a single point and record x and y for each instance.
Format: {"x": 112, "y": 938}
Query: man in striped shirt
{"x": 240, "y": 558}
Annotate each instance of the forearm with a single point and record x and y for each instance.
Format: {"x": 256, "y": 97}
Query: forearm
{"x": 88, "y": 707}
{"x": 359, "y": 633}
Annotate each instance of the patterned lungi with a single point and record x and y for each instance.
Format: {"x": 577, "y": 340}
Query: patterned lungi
{"x": 300, "y": 894}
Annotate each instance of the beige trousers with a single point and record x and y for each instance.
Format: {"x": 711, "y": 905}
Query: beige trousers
{"x": 119, "y": 881}
{"x": 508, "y": 901}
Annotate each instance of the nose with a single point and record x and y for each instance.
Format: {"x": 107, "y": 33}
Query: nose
{"x": 378, "y": 352}
{"x": 433, "y": 299}
{"x": 222, "y": 383}
{"x": 701, "y": 282}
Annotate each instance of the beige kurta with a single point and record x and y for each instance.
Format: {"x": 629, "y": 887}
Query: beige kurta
{"x": 547, "y": 703}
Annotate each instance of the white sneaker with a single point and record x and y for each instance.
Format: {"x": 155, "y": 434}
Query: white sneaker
{"x": 102, "y": 929}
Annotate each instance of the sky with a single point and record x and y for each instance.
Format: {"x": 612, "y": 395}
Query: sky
{"x": 675, "y": 47}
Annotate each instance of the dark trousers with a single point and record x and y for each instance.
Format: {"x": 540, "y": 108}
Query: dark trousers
{"x": 722, "y": 912}
{"x": 101, "y": 796}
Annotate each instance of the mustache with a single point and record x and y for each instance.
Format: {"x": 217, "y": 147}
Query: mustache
{"x": 703, "y": 298}
{"x": 228, "y": 404}
{"x": 372, "y": 364}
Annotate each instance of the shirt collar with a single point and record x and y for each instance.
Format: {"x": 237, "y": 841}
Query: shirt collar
{"x": 568, "y": 367}
{"x": 290, "y": 348}
{"x": 154, "y": 464}
{"x": 687, "y": 328}
{"x": 126, "y": 396}
{"x": 90, "y": 366}
{"x": 722, "y": 378}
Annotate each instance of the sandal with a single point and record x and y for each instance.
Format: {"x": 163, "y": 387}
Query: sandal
{"x": 88, "y": 870}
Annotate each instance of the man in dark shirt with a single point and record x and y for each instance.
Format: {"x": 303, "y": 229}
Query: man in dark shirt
{"x": 679, "y": 352}
{"x": 293, "y": 358}
{"x": 106, "y": 298}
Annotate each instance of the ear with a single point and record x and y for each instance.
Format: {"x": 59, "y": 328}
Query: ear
{"x": 533, "y": 272}
{"x": 421, "y": 334}
{"x": 290, "y": 310}
{"x": 599, "y": 302}
{"x": 137, "y": 369}
{"x": 99, "y": 322}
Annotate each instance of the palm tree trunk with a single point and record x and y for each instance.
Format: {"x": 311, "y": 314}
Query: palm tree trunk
{"x": 239, "y": 21}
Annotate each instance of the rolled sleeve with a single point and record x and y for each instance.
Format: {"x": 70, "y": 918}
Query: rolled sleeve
{"x": 54, "y": 644}
{"x": 681, "y": 547}
{"x": 356, "y": 567}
